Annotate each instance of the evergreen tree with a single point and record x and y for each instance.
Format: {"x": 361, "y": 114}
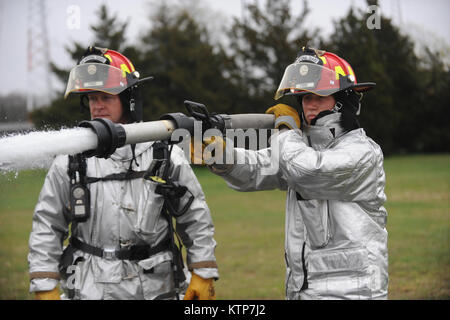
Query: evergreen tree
{"x": 178, "y": 53}
{"x": 432, "y": 123}
{"x": 386, "y": 57}
{"x": 264, "y": 44}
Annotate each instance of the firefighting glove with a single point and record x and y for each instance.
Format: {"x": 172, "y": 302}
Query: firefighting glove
{"x": 216, "y": 154}
{"x": 214, "y": 147}
{"x": 48, "y": 295}
{"x": 212, "y": 151}
{"x": 285, "y": 116}
{"x": 197, "y": 154}
{"x": 200, "y": 289}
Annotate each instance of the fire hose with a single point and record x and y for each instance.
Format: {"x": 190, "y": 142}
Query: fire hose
{"x": 113, "y": 135}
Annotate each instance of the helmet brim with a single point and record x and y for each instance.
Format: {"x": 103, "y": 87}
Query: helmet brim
{"x": 363, "y": 87}
{"x": 359, "y": 87}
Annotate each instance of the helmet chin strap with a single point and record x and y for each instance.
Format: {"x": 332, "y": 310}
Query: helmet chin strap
{"x": 135, "y": 105}
{"x": 359, "y": 103}
{"x": 338, "y": 105}
{"x": 359, "y": 109}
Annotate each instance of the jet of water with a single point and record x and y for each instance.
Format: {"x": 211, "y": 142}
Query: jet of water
{"x": 37, "y": 149}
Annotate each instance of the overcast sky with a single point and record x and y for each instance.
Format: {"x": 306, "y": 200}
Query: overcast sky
{"x": 431, "y": 16}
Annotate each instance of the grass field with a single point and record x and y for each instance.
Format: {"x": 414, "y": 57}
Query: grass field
{"x": 250, "y": 232}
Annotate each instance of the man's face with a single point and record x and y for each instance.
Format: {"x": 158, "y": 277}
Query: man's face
{"x": 104, "y": 105}
{"x": 314, "y": 104}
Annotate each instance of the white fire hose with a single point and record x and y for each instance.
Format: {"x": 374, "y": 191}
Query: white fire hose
{"x": 112, "y": 135}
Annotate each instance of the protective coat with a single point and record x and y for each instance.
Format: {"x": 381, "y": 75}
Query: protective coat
{"x": 123, "y": 213}
{"x": 335, "y": 237}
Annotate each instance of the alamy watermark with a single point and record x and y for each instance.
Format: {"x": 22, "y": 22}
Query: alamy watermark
{"x": 73, "y": 280}
{"x": 374, "y": 19}
{"x": 234, "y": 146}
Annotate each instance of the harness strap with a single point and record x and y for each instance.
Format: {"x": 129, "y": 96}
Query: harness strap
{"x": 129, "y": 175}
{"x": 159, "y": 154}
{"x": 135, "y": 252}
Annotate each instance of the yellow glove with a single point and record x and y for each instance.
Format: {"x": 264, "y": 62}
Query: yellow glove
{"x": 48, "y": 295}
{"x": 197, "y": 155}
{"x": 285, "y": 116}
{"x": 200, "y": 289}
{"x": 215, "y": 146}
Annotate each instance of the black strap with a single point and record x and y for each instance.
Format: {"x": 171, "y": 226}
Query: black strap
{"x": 160, "y": 153}
{"x": 171, "y": 192}
{"x": 135, "y": 252}
{"x": 77, "y": 163}
{"x": 129, "y": 175}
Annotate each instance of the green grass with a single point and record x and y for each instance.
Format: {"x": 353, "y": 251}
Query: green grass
{"x": 250, "y": 232}
{"x": 419, "y": 226}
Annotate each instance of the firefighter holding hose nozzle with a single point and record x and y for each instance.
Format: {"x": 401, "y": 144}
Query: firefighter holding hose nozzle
{"x": 336, "y": 238}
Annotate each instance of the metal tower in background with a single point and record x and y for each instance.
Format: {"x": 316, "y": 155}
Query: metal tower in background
{"x": 39, "y": 86}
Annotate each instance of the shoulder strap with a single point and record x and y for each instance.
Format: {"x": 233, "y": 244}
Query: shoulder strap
{"x": 79, "y": 205}
{"x": 160, "y": 157}
{"x": 77, "y": 168}
{"x": 128, "y": 175}
{"x": 160, "y": 174}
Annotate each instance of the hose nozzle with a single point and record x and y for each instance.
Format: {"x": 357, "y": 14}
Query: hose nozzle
{"x": 110, "y": 137}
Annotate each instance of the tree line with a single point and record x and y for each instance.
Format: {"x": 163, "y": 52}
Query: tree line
{"x": 404, "y": 114}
